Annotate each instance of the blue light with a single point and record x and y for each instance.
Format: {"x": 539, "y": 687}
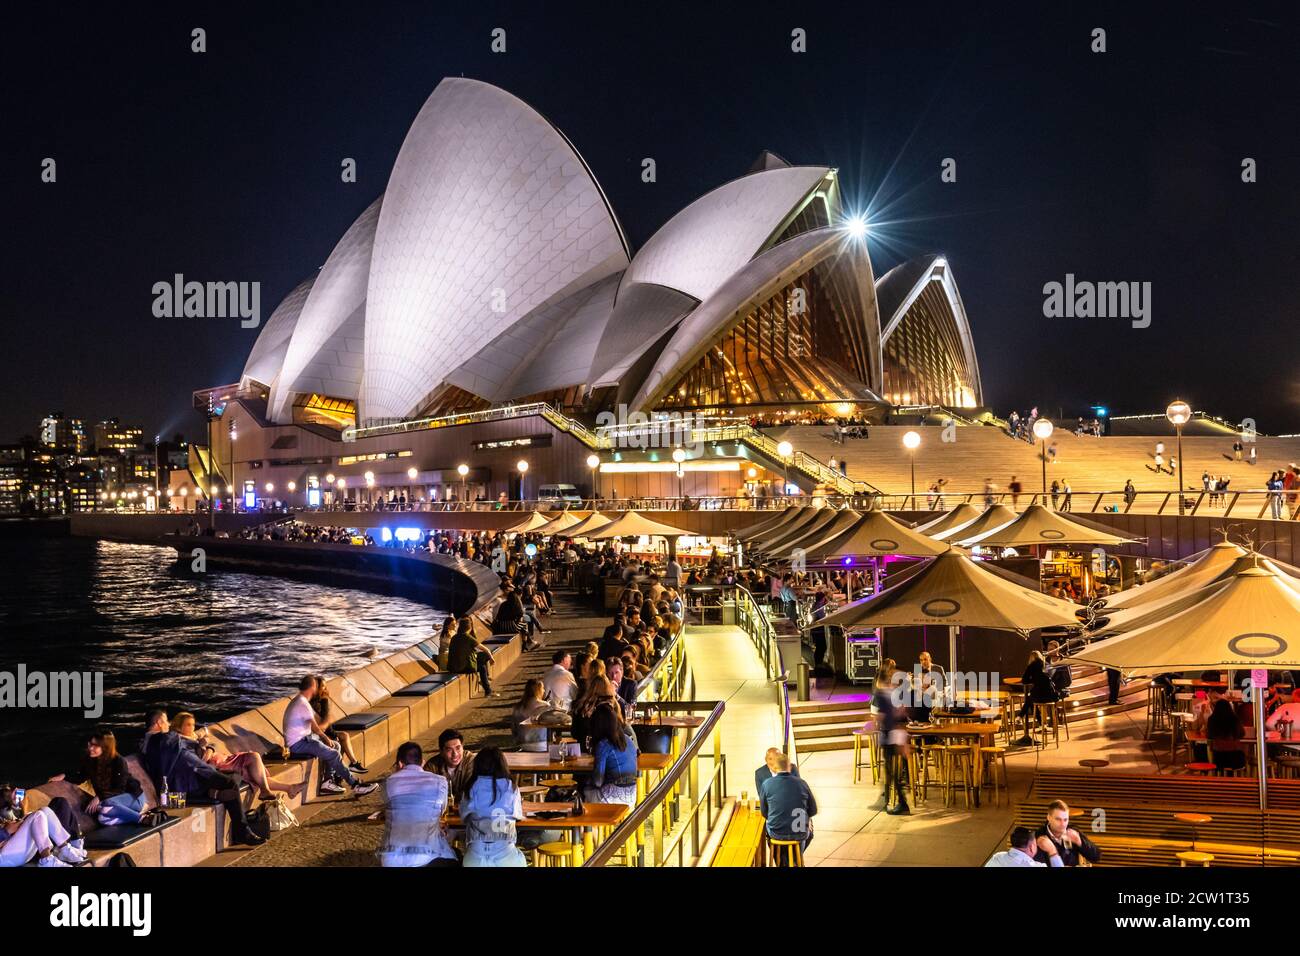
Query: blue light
{"x": 385, "y": 535}
{"x": 1100, "y": 410}
{"x": 530, "y": 549}
{"x": 848, "y": 560}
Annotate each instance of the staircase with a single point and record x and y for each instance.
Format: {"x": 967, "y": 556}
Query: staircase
{"x": 829, "y": 724}
{"x": 202, "y": 471}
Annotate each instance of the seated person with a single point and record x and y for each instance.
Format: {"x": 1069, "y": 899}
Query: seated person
{"x": 560, "y": 684}
{"x": 49, "y": 835}
{"x": 613, "y": 749}
{"x": 174, "y": 765}
{"x": 247, "y": 763}
{"x": 531, "y": 739}
{"x": 1022, "y": 850}
{"x": 304, "y": 736}
{"x": 452, "y": 761}
{"x": 468, "y": 656}
{"x": 614, "y": 640}
{"x": 624, "y": 687}
{"x": 767, "y": 771}
{"x": 1224, "y": 733}
{"x": 119, "y": 798}
{"x": 325, "y": 717}
{"x": 1056, "y": 838}
{"x": 414, "y": 802}
{"x": 787, "y": 805}
{"x": 491, "y": 807}
{"x": 598, "y": 691}
{"x": 1061, "y": 675}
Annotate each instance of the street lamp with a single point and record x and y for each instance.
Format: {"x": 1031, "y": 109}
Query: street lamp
{"x": 269, "y": 487}
{"x": 912, "y": 441}
{"x": 786, "y": 451}
{"x": 1043, "y": 431}
{"x": 293, "y": 486}
{"x": 1179, "y": 414}
{"x": 679, "y": 456}
{"x": 462, "y": 470}
{"x": 593, "y": 462}
{"x": 523, "y": 470}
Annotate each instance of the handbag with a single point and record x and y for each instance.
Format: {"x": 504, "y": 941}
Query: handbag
{"x": 278, "y": 814}
{"x": 259, "y": 822}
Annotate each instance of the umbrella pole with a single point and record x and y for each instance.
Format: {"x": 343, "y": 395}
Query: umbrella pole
{"x": 952, "y": 651}
{"x": 1261, "y": 751}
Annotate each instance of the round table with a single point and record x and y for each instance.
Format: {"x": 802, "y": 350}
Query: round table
{"x": 1194, "y": 820}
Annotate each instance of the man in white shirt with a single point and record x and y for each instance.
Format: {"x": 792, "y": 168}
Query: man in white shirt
{"x": 1023, "y": 848}
{"x": 304, "y": 736}
{"x": 561, "y": 686}
{"x": 673, "y": 574}
{"x": 414, "y": 803}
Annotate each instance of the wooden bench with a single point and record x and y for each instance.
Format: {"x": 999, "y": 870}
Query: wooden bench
{"x": 742, "y": 844}
{"x": 1103, "y": 788}
{"x": 1147, "y": 834}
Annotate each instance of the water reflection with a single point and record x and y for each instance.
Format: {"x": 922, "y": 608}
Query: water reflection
{"x": 215, "y": 644}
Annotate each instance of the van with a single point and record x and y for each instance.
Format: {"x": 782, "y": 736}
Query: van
{"x": 558, "y": 497}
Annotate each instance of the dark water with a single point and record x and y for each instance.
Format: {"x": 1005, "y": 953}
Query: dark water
{"x": 215, "y": 644}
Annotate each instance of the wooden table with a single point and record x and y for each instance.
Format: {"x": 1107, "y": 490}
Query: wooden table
{"x": 686, "y": 721}
{"x": 518, "y": 762}
{"x": 598, "y": 816}
{"x": 976, "y": 731}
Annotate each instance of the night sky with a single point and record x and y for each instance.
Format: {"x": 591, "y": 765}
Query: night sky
{"x": 1122, "y": 166}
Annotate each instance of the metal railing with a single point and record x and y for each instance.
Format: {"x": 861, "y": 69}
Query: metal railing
{"x": 674, "y": 819}
{"x": 753, "y": 620}
{"x": 1244, "y": 503}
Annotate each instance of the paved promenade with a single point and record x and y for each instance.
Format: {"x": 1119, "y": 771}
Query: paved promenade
{"x": 335, "y": 831}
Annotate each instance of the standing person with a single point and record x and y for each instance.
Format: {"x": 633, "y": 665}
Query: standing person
{"x": 844, "y": 468}
{"x": 490, "y": 810}
{"x": 304, "y": 736}
{"x": 1274, "y": 486}
{"x": 787, "y": 804}
{"x": 1236, "y": 450}
{"x": 1253, "y": 460}
{"x": 1056, "y": 492}
{"x": 891, "y": 724}
{"x": 1130, "y": 494}
{"x": 1066, "y": 495}
{"x": 989, "y": 489}
{"x": 414, "y": 802}
{"x": 1290, "y": 481}
{"x": 1014, "y": 488}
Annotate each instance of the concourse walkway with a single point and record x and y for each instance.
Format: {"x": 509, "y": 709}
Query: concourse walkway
{"x": 726, "y": 667}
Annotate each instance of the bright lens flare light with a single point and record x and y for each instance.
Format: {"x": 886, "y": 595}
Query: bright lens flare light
{"x": 911, "y": 441}
{"x": 1043, "y": 429}
{"x": 856, "y": 226}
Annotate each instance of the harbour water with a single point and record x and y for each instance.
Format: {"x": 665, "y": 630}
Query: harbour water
{"x": 215, "y": 644}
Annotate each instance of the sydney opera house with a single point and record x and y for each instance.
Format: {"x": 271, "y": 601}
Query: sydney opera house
{"x": 487, "y": 308}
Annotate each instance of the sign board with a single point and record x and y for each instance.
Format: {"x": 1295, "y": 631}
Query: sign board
{"x": 1259, "y": 678}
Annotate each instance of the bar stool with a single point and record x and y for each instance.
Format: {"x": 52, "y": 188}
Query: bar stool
{"x": 1194, "y": 820}
{"x": 793, "y": 851}
{"x": 1194, "y": 858}
{"x": 1060, "y": 717}
{"x": 1092, "y": 763}
{"x": 995, "y": 762}
{"x": 1157, "y": 710}
{"x": 960, "y": 774}
{"x": 1205, "y": 769}
{"x": 869, "y": 734}
{"x": 1288, "y": 768}
{"x": 561, "y": 853}
{"x": 925, "y": 756}
{"x": 1045, "y": 717}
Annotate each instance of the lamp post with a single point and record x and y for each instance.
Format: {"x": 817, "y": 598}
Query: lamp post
{"x": 1179, "y": 414}
{"x": 292, "y": 486}
{"x": 912, "y": 441}
{"x": 370, "y": 488}
{"x": 184, "y": 493}
{"x": 462, "y": 470}
{"x": 679, "y": 456}
{"x": 230, "y": 485}
{"x": 157, "y": 466}
{"x": 593, "y": 462}
{"x": 786, "y": 451}
{"x": 412, "y": 473}
{"x": 1042, "y": 431}
{"x": 522, "y": 466}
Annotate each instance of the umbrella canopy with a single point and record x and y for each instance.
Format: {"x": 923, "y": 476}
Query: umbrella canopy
{"x": 1039, "y": 525}
{"x": 630, "y": 524}
{"x": 562, "y": 522}
{"x": 845, "y": 519}
{"x": 953, "y": 589}
{"x": 1251, "y": 620}
{"x": 767, "y": 524}
{"x": 876, "y": 534}
{"x": 785, "y": 540}
{"x": 593, "y": 522}
{"x": 991, "y": 518}
{"x": 1208, "y": 566}
{"x": 786, "y": 529}
{"x": 953, "y": 520}
{"x": 533, "y": 522}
